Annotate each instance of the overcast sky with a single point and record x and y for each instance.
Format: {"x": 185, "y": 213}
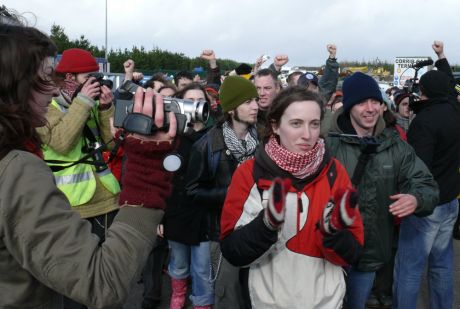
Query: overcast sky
{"x": 244, "y": 29}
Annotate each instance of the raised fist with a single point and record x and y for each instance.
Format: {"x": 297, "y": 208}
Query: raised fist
{"x": 137, "y": 76}
{"x": 438, "y": 47}
{"x": 128, "y": 65}
{"x": 208, "y": 54}
{"x": 280, "y": 60}
{"x": 332, "y": 50}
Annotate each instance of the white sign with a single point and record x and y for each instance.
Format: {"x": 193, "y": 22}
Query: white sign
{"x": 404, "y": 71}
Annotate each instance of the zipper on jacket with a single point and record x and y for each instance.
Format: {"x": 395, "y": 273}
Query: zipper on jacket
{"x": 299, "y": 210}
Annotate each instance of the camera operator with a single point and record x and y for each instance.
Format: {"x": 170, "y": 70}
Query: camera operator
{"x": 433, "y": 134}
{"x": 46, "y": 249}
{"x": 78, "y": 123}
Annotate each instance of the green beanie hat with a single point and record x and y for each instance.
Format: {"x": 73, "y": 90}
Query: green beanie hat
{"x": 234, "y": 91}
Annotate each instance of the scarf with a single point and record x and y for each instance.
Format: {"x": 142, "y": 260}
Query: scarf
{"x": 240, "y": 149}
{"x": 34, "y": 148}
{"x": 68, "y": 89}
{"x": 299, "y": 165}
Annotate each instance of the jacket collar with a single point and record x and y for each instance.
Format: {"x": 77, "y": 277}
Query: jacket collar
{"x": 341, "y": 123}
{"x": 418, "y": 106}
{"x": 384, "y": 136}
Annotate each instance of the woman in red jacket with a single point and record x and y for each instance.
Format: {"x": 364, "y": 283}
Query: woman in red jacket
{"x": 290, "y": 215}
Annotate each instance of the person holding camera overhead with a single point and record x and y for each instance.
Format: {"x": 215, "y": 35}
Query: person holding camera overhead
{"x": 78, "y": 122}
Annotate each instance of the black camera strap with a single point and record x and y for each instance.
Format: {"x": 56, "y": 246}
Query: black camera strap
{"x": 56, "y": 165}
{"x": 363, "y": 159}
{"x": 367, "y": 149}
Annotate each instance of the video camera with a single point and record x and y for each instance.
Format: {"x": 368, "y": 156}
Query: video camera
{"x": 411, "y": 85}
{"x": 187, "y": 113}
{"x": 368, "y": 144}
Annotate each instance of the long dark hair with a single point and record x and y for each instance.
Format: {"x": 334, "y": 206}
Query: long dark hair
{"x": 282, "y": 101}
{"x": 22, "y": 52}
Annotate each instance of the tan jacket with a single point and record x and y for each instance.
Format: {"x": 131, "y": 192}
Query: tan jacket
{"x": 63, "y": 133}
{"x": 47, "y": 250}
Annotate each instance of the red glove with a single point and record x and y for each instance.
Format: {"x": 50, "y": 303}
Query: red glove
{"x": 340, "y": 212}
{"x": 145, "y": 181}
{"x": 276, "y": 208}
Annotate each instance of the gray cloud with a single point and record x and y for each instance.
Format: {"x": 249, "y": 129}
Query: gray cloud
{"x": 242, "y": 30}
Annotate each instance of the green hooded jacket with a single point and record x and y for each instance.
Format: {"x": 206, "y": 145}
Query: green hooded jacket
{"x": 394, "y": 168}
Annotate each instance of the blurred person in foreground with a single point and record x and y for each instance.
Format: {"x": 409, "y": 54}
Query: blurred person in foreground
{"x": 46, "y": 249}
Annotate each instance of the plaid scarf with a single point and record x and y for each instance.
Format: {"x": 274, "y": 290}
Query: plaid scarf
{"x": 240, "y": 149}
{"x": 299, "y": 165}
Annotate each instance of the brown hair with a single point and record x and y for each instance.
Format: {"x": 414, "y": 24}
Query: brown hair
{"x": 192, "y": 86}
{"x": 282, "y": 101}
{"x": 22, "y": 52}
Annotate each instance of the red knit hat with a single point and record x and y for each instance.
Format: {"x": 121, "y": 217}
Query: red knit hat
{"x": 77, "y": 60}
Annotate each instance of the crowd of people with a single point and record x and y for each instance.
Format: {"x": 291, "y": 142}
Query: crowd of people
{"x": 305, "y": 195}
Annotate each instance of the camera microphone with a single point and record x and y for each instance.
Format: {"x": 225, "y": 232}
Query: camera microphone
{"x": 421, "y": 64}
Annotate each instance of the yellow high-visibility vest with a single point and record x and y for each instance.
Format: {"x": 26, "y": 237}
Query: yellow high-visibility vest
{"x": 78, "y": 182}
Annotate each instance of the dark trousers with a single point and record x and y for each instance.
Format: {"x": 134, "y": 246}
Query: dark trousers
{"x": 457, "y": 226}
{"x": 153, "y": 273}
{"x": 383, "y": 283}
{"x": 99, "y": 226}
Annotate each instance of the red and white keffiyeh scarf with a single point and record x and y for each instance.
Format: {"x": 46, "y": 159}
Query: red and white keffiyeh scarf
{"x": 68, "y": 89}
{"x": 299, "y": 165}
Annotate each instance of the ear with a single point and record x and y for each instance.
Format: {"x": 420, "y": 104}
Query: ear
{"x": 275, "y": 127}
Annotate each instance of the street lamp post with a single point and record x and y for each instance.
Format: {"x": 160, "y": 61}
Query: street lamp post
{"x": 105, "y": 50}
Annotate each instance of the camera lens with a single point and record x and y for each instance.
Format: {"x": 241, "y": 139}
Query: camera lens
{"x": 202, "y": 111}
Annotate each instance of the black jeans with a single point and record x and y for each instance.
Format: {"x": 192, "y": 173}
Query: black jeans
{"x": 99, "y": 225}
{"x": 153, "y": 273}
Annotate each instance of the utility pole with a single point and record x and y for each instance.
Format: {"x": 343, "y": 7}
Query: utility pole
{"x": 105, "y": 54}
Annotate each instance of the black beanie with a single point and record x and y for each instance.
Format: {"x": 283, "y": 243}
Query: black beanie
{"x": 359, "y": 87}
{"x": 434, "y": 84}
{"x": 243, "y": 69}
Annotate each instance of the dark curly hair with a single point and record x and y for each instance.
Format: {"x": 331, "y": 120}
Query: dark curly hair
{"x": 22, "y": 52}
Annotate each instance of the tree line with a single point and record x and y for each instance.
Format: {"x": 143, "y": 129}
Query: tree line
{"x": 147, "y": 61}
{"x": 155, "y": 60}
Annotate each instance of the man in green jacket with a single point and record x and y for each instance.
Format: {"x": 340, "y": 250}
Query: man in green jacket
{"x": 391, "y": 180}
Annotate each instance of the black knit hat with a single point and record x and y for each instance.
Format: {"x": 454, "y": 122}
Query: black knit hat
{"x": 359, "y": 87}
{"x": 435, "y": 84}
{"x": 243, "y": 69}
{"x": 399, "y": 96}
